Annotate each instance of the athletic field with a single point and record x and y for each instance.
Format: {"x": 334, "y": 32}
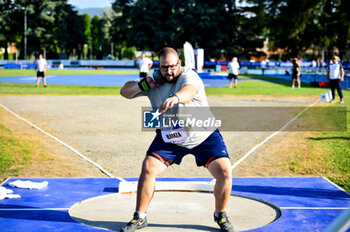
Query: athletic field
{"x": 91, "y": 131}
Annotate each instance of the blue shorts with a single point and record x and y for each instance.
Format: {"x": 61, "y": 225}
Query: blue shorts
{"x": 210, "y": 149}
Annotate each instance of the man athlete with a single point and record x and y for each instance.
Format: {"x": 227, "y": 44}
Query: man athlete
{"x": 178, "y": 86}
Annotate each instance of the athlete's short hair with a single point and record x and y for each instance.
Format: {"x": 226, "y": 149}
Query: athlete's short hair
{"x": 167, "y": 51}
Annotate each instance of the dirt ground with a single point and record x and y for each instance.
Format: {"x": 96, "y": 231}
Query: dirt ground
{"x": 107, "y": 130}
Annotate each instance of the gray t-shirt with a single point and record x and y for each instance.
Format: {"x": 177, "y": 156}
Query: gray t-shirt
{"x": 193, "y": 135}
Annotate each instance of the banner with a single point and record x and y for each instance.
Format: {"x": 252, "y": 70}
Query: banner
{"x": 200, "y": 59}
{"x": 189, "y": 56}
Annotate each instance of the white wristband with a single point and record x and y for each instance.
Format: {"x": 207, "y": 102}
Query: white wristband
{"x": 175, "y": 95}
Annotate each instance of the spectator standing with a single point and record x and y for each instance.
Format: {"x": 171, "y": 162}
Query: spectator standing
{"x": 296, "y": 72}
{"x": 314, "y": 66}
{"x": 263, "y": 67}
{"x": 335, "y": 75}
{"x": 144, "y": 64}
{"x": 41, "y": 66}
{"x": 232, "y": 69}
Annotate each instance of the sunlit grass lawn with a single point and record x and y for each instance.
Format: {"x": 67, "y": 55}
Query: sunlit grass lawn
{"x": 251, "y": 87}
{"x": 263, "y": 86}
{"x": 16, "y": 151}
{"x": 29, "y": 89}
{"x": 32, "y": 72}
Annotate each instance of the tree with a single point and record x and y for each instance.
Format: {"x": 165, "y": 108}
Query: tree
{"x": 223, "y": 28}
{"x": 87, "y": 32}
{"x": 52, "y": 26}
{"x": 8, "y": 32}
{"x": 68, "y": 33}
{"x": 40, "y": 22}
{"x": 97, "y": 37}
{"x": 209, "y": 25}
{"x": 254, "y": 26}
{"x": 120, "y": 23}
{"x": 106, "y": 24}
{"x": 149, "y": 25}
{"x": 299, "y": 25}
{"x": 340, "y": 19}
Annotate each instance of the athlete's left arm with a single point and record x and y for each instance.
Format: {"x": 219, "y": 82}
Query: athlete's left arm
{"x": 342, "y": 74}
{"x": 150, "y": 65}
{"x": 184, "y": 95}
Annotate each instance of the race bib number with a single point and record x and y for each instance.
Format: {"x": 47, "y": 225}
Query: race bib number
{"x": 174, "y": 135}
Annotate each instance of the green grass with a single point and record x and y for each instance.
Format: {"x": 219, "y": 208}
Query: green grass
{"x": 337, "y": 148}
{"x": 253, "y": 87}
{"x": 15, "y": 152}
{"x": 29, "y": 89}
{"x": 327, "y": 153}
{"x": 32, "y": 72}
{"x": 264, "y": 87}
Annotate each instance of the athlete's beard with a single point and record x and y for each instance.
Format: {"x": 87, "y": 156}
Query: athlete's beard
{"x": 174, "y": 77}
{"x": 173, "y": 80}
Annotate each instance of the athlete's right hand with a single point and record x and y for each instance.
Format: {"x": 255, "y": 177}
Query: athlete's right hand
{"x": 169, "y": 103}
{"x": 152, "y": 83}
{"x": 147, "y": 84}
{"x": 157, "y": 77}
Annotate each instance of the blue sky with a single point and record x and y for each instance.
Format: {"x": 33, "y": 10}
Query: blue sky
{"x": 90, "y": 3}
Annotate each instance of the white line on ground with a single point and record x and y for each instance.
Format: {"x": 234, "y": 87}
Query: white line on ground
{"x": 316, "y": 208}
{"x": 286, "y": 208}
{"x": 32, "y": 209}
{"x": 269, "y": 137}
{"x": 64, "y": 144}
{"x": 272, "y": 135}
{"x": 334, "y": 184}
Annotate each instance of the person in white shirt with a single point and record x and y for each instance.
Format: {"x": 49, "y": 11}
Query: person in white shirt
{"x": 232, "y": 69}
{"x": 41, "y": 70}
{"x": 144, "y": 64}
{"x": 176, "y": 88}
{"x": 335, "y": 75}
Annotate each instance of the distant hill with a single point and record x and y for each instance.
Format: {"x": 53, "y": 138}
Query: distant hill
{"x": 92, "y": 11}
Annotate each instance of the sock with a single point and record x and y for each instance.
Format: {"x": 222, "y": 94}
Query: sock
{"x": 141, "y": 214}
{"x": 218, "y": 214}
